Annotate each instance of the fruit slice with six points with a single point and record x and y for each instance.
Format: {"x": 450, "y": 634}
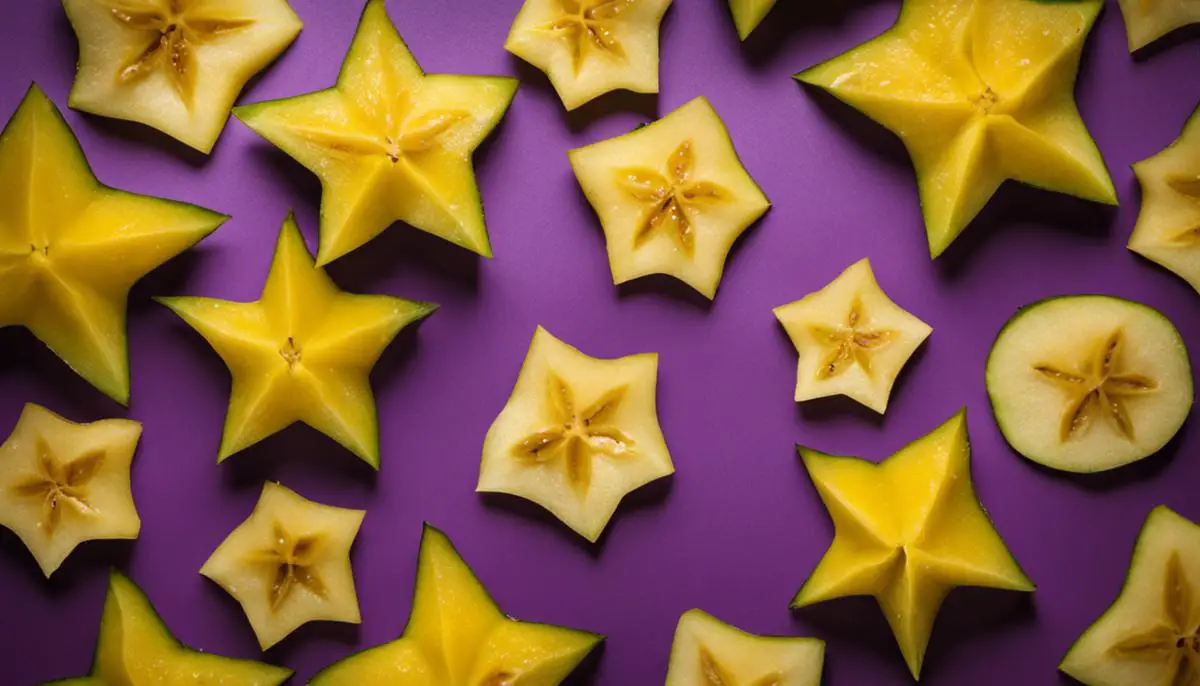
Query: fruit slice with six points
{"x": 174, "y": 65}
{"x": 1087, "y": 383}
{"x": 63, "y": 483}
{"x": 672, "y": 197}
{"x": 578, "y": 434}
{"x": 979, "y": 91}
{"x": 303, "y": 352}
{"x": 709, "y": 652}
{"x": 1148, "y": 20}
{"x": 389, "y": 142}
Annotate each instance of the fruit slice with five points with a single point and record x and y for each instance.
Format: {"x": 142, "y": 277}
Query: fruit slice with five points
{"x": 908, "y": 531}
{"x": 979, "y": 91}
{"x": 590, "y": 47}
{"x": 1089, "y": 382}
{"x": 289, "y": 564}
{"x": 457, "y": 635}
{"x": 748, "y": 14}
{"x": 71, "y": 248}
{"x": 303, "y": 352}
{"x": 174, "y": 65}
{"x": 709, "y": 652}
{"x": 577, "y": 435}
{"x": 389, "y": 142}
{"x": 672, "y": 197}
{"x": 63, "y": 483}
{"x": 1150, "y": 636}
{"x": 1148, "y": 20}
{"x": 1168, "y": 225}
{"x": 852, "y": 339}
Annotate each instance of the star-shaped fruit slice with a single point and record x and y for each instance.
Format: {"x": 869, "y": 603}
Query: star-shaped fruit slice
{"x": 63, "y": 483}
{"x": 457, "y": 635}
{"x": 1148, "y": 20}
{"x": 748, "y": 14}
{"x": 289, "y": 564}
{"x": 672, "y": 197}
{"x": 709, "y": 652}
{"x": 303, "y": 352}
{"x": 979, "y": 91}
{"x": 174, "y": 65}
{"x": 908, "y": 530}
{"x": 852, "y": 339}
{"x": 389, "y": 142}
{"x": 590, "y": 47}
{"x": 71, "y": 248}
{"x": 578, "y": 434}
{"x": 1150, "y": 636}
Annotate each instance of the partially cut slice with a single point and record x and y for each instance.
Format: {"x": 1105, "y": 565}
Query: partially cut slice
{"x": 709, "y": 652}
{"x": 1150, "y": 636}
{"x": 174, "y": 65}
{"x": 1148, "y": 20}
{"x": 748, "y": 14}
{"x": 1086, "y": 383}
{"x": 1168, "y": 225}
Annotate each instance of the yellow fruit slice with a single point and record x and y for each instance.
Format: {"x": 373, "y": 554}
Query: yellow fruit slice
{"x": 672, "y": 197}
{"x": 389, "y": 142}
{"x": 63, "y": 483}
{"x": 1148, "y": 20}
{"x": 908, "y": 531}
{"x": 457, "y": 635}
{"x": 852, "y": 339}
{"x": 303, "y": 352}
{"x": 709, "y": 652}
{"x": 979, "y": 91}
{"x": 1168, "y": 225}
{"x": 174, "y": 65}
{"x": 577, "y": 435}
{"x": 289, "y": 564}
{"x": 71, "y": 248}
{"x": 748, "y": 14}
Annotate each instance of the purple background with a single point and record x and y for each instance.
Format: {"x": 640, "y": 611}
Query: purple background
{"x": 739, "y": 527}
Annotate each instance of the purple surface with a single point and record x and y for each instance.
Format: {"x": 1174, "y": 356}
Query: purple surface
{"x": 739, "y": 527}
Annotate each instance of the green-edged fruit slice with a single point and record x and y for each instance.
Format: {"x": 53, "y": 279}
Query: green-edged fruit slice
{"x": 1150, "y": 636}
{"x": 1148, "y": 20}
{"x": 709, "y": 652}
{"x": 748, "y": 14}
{"x": 1086, "y": 383}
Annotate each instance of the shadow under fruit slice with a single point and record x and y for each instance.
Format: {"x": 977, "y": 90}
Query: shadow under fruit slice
{"x": 709, "y": 652}
{"x": 389, "y": 142}
{"x": 457, "y": 635}
{"x": 174, "y": 65}
{"x": 1148, "y": 20}
{"x": 303, "y": 352}
{"x": 1150, "y": 636}
{"x": 748, "y": 14}
{"x": 1089, "y": 382}
{"x": 71, "y": 248}
{"x": 979, "y": 91}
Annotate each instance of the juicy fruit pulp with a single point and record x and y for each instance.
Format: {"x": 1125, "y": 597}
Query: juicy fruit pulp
{"x": 71, "y": 248}
{"x": 389, "y": 142}
{"x": 672, "y": 197}
{"x": 1148, "y": 20}
{"x": 1088, "y": 383}
{"x": 289, "y": 564}
{"x": 1168, "y": 225}
{"x": 907, "y": 530}
{"x": 979, "y": 91}
{"x": 174, "y": 65}
{"x": 303, "y": 352}
{"x": 852, "y": 339}
{"x": 577, "y": 435}
{"x": 457, "y": 636}
{"x": 63, "y": 483}
{"x": 709, "y": 652}
{"x": 748, "y": 14}
{"x": 590, "y": 47}
{"x": 1150, "y": 636}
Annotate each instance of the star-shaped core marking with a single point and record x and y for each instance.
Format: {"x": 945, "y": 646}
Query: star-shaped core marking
{"x": 1098, "y": 386}
{"x": 587, "y": 26}
{"x": 1176, "y": 640}
{"x": 290, "y": 562}
{"x": 716, "y": 675}
{"x": 60, "y": 485}
{"x": 849, "y": 344}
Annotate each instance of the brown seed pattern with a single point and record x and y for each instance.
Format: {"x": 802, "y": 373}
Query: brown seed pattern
{"x": 587, "y": 26}
{"x": 1175, "y": 640}
{"x": 850, "y": 344}
{"x": 716, "y": 675}
{"x": 60, "y": 486}
{"x": 290, "y": 561}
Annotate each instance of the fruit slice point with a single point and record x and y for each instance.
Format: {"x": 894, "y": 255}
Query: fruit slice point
{"x": 1168, "y": 224}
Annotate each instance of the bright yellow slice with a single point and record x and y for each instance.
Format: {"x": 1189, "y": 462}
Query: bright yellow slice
{"x": 709, "y": 652}
{"x": 748, "y": 14}
{"x": 1148, "y": 20}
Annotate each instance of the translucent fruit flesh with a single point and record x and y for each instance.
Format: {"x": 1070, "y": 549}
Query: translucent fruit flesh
{"x": 709, "y": 652}
{"x": 1168, "y": 224}
{"x": 1148, "y": 20}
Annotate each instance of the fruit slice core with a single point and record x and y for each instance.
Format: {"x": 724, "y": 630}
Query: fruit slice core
{"x": 709, "y": 652}
{"x": 61, "y": 486}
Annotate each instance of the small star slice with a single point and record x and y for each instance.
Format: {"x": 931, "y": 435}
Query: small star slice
{"x": 709, "y": 652}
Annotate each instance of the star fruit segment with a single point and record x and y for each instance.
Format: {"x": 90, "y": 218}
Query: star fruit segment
{"x": 71, "y": 248}
{"x": 672, "y": 197}
{"x": 389, "y": 142}
{"x": 907, "y": 531}
{"x": 174, "y": 65}
{"x": 303, "y": 352}
{"x": 577, "y": 435}
{"x": 979, "y": 91}
{"x": 457, "y": 636}
{"x": 1089, "y": 383}
{"x": 852, "y": 339}
{"x": 709, "y": 652}
{"x": 289, "y": 564}
{"x": 748, "y": 14}
{"x": 1148, "y": 20}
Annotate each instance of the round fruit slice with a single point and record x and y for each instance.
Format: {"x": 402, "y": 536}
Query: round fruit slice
{"x": 1089, "y": 382}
